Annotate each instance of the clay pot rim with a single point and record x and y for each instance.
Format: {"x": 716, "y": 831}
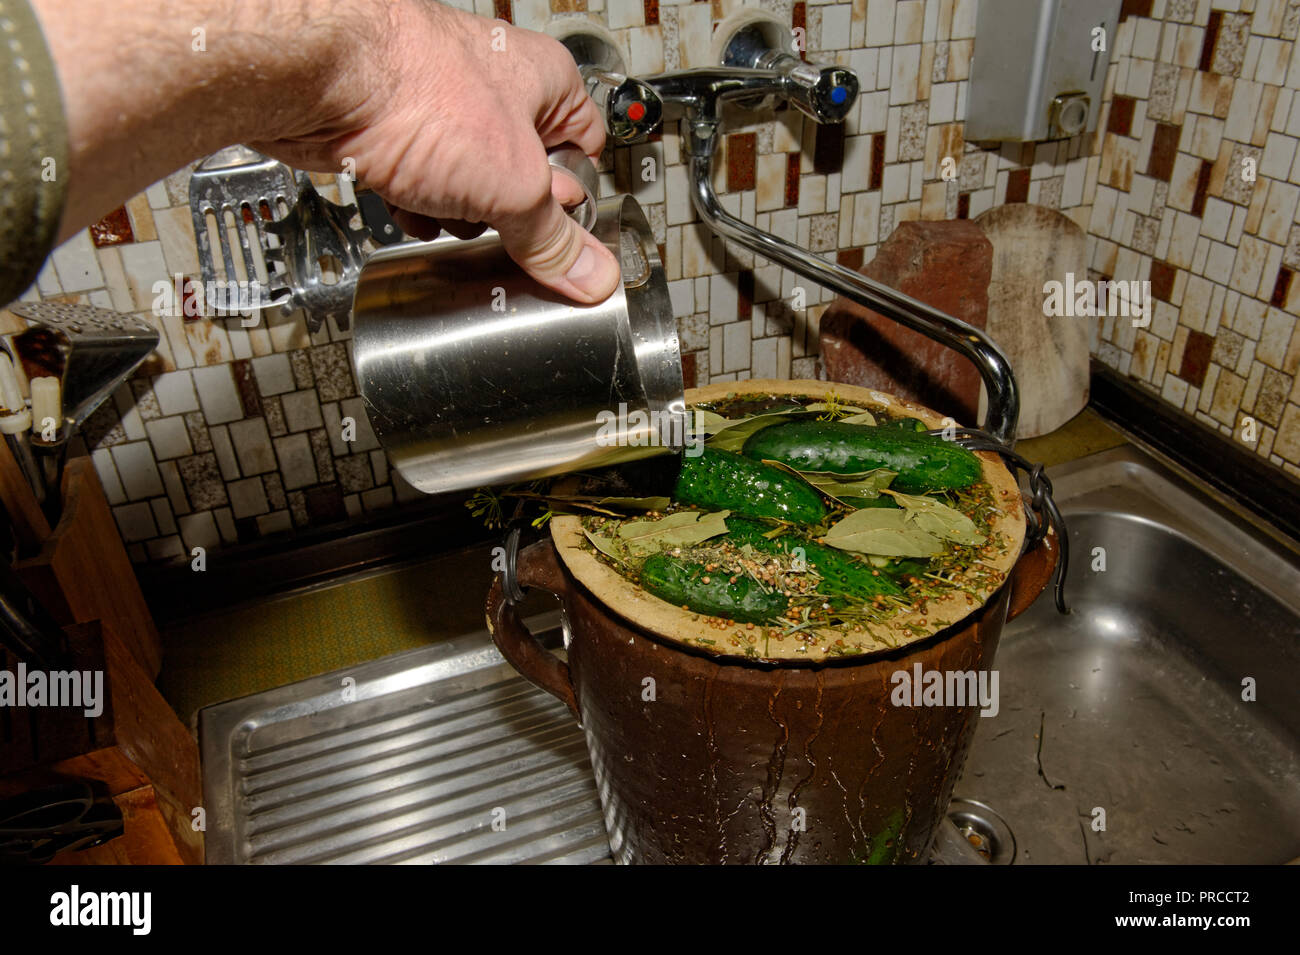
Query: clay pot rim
{"x": 682, "y": 629}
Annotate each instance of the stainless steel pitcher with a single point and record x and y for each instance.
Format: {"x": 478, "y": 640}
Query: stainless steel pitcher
{"x": 475, "y": 374}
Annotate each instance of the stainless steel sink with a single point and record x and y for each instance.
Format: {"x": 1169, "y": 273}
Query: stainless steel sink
{"x": 1133, "y": 704}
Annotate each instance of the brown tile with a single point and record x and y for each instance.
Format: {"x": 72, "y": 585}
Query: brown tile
{"x": 1211, "y": 37}
{"x": 274, "y": 486}
{"x": 557, "y": 6}
{"x": 688, "y": 370}
{"x": 1230, "y": 45}
{"x": 103, "y": 428}
{"x": 828, "y": 153}
{"x": 1018, "y": 186}
{"x": 963, "y": 205}
{"x": 502, "y": 11}
{"x": 329, "y": 364}
{"x": 113, "y": 229}
{"x": 741, "y": 148}
{"x": 745, "y": 296}
{"x": 1202, "y": 188}
{"x": 1196, "y": 358}
{"x": 273, "y": 412}
{"x": 1164, "y": 150}
{"x": 325, "y": 504}
{"x": 651, "y": 12}
{"x": 850, "y": 258}
{"x": 799, "y": 22}
{"x": 324, "y": 455}
{"x": 1134, "y": 8}
{"x": 1281, "y": 288}
{"x": 246, "y": 383}
{"x": 197, "y": 426}
{"x": 1120, "y": 120}
{"x": 877, "y": 161}
{"x": 202, "y": 481}
{"x": 354, "y": 473}
{"x": 792, "y": 179}
{"x": 1162, "y": 280}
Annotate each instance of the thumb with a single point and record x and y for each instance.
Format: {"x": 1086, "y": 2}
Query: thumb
{"x": 560, "y": 254}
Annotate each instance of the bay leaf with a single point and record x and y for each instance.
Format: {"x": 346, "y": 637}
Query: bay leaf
{"x": 636, "y": 503}
{"x": 734, "y": 436}
{"x": 676, "y": 530}
{"x": 887, "y": 532}
{"x": 938, "y": 518}
{"x": 863, "y": 484}
{"x": 864, "y": 418}
{"x": 605, "y": 545}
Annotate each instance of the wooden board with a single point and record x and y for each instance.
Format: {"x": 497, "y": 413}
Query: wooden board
{"x": 1033, "y": 245}
{"x": 82, "y": 573}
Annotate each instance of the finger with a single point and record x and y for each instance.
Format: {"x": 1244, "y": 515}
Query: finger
{"x": 559, "y": 253}
{"x": 421, "y": 227}
{"x": 567, "y": 191}
{"x": 462, "y": 229}
{"x": 583, "y": 126}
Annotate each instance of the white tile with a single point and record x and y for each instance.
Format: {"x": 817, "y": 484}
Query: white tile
{"x": 302, "y": 410}
{"x": 682, "y": 295}
{"x": 162, "y": 515}
{"x": 224, "y": 451}
{"x": 199, "y": 530}
{"x": 137, "y": 469}
{"x": 76, "y": 264}
{"x": 297, "y": 463}
{"x": 135, "y": 521}
{"x": 217, "y": 394}
{"x": 252, "y": 446}
{"x": 724, "y": 298}
{"x": 735, "y": 349}
{"x": 169, "y": 437}
{"x": 896, "y": 183}
{"x": 247, "y": 497}
{"x": 906, "y": 67}
{"x": 274, "y": 374}
{"x": 175, "y": 393}
{"x": 880, "y": 22}
{"x": 145, "y": 267}
{"x": 102, "y": 458}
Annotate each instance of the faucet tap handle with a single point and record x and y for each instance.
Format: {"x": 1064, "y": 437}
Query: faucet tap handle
{"x": 825, "y": 93}
{"x": 632, "y": 108}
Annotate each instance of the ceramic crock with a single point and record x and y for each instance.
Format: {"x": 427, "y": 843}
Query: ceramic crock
{"x": 702, "y": 759}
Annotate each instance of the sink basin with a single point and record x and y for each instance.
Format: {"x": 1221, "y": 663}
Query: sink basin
{"x": 1129, "y": 713}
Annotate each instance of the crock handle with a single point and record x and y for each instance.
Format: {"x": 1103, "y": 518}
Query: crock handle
{"x": 1032, "y": 573}
{"x": 537, "y": 566}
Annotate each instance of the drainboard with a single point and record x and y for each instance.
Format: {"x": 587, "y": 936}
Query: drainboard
{"x": 442, "y": 754}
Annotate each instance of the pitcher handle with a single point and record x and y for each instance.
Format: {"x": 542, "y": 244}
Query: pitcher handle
{"x": 537, "y": 566}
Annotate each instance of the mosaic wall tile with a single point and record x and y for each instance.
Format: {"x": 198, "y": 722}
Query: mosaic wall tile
{"x": 228, "y": 434}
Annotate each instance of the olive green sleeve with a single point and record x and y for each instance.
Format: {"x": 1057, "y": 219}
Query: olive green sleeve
{"x": 33, "y": 149}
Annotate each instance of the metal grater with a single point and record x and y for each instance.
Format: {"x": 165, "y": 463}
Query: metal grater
{"x": 89, "y": 350}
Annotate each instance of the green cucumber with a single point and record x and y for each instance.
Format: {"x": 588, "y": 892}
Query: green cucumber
{"x": 724, "y": 481}
{"x": 683, "y": 584}
{"x": 841, "y": 574}
{"x": 923, "y": 462}
{"x": 906, "y": 425}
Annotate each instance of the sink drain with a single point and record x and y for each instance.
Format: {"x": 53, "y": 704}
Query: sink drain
{"x": 985, "y": 830}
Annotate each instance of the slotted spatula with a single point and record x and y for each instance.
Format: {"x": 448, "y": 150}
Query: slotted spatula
{"x": 232, "y": 180}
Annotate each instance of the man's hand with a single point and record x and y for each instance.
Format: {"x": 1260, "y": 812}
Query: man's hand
{"x": 446, "y": 115}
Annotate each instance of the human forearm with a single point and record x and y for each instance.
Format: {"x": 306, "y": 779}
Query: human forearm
{"x": 198, "y": 75}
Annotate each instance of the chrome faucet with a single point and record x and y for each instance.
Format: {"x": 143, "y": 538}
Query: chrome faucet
{"x": 754, "y": 74}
